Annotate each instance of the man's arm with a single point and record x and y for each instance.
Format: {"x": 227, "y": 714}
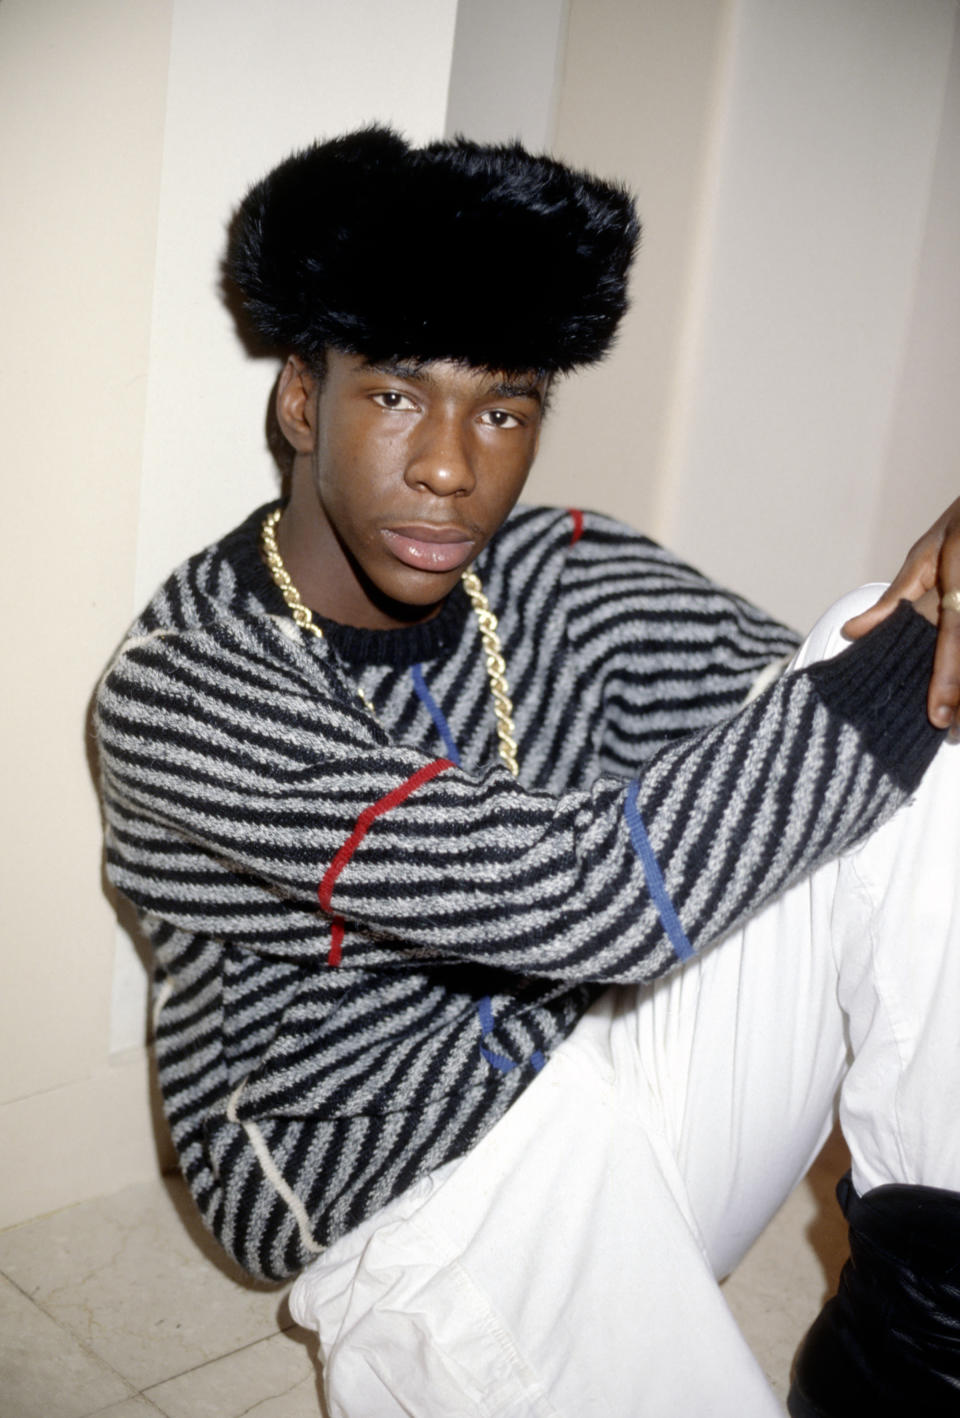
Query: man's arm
{"x": 932, "y": 564}
{"x": 228, "y": 812}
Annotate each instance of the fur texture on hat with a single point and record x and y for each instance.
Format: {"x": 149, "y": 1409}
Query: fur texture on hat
{"x": 482, "y": 254}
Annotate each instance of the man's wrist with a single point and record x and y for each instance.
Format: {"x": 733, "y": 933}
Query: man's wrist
{"x": 879, "y": 685}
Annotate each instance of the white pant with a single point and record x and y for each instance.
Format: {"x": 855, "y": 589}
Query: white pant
{"x": 567, "y": 1265}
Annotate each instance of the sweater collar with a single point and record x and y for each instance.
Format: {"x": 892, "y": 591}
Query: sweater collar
{"x": 399, "y": 648}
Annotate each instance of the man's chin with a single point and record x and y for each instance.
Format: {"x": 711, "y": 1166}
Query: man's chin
{"x": 409, "y": 597}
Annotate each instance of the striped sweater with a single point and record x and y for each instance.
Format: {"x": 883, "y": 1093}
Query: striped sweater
{"x": 368, "y": 936}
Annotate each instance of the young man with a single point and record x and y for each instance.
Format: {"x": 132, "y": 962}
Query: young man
{"x": 416, "y": 792}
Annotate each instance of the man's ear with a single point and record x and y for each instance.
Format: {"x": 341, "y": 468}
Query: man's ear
{"x": 297, "y": 405}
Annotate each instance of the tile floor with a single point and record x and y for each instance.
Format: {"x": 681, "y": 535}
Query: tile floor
{"x": 117, "y": 1308}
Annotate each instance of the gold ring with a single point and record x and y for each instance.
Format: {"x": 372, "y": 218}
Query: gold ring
{"x": 950, "y": 600}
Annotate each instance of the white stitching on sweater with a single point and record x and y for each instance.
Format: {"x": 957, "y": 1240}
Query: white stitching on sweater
{"x": 273, "y": 1174}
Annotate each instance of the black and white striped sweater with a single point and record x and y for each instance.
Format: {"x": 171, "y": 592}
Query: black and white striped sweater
{"x": 368, "y": 936}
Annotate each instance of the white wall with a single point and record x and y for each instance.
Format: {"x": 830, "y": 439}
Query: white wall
{"x": 781, "y": 407}
{"x": 921, "y": 470}
{"x": 81, "y": 131}
{"x": 823, "y": 193}
{"x": 507, "y": 59}
{"x": 640, "y": 88}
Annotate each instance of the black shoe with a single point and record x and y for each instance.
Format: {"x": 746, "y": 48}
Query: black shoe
{"x": 888, "y": 1344}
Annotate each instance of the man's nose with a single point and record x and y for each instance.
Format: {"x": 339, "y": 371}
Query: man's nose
{"x": 441, "y": 461}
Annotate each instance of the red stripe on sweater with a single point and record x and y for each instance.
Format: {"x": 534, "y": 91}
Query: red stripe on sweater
{"x": 363, "y": 825}
{"x": 336, "y": 941}
{"x": 576, "y": 517}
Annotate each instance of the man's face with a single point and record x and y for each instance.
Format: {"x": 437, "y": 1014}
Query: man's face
{"x": 415, "y": 467}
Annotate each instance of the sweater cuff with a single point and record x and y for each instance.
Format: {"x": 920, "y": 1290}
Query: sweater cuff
{"x": 879, "y": 685}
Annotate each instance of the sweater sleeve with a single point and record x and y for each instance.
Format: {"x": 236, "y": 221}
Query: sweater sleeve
{"x": 243, "y": 801}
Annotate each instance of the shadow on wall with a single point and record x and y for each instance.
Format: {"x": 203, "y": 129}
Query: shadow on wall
{"x": 257, "y": 348}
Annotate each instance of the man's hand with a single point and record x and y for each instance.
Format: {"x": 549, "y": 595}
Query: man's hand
{"x": 932, "y": 568}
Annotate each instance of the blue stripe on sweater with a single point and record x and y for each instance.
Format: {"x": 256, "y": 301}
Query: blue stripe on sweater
{"x": 435, "y": 712}
{"x": 651, "y": 867}
{"x": 500, "y": 1061}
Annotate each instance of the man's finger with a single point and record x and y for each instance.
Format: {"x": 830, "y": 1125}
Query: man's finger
{"x": 943, "y": 699}
{"x": 916, "y": 576}
{"x": 858, "y": 625}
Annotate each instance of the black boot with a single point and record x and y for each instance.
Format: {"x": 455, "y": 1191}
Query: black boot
{"x": 888, "y": 1344}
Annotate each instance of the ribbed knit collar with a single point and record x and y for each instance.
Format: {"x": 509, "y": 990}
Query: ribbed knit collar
{"x": 399, "y": 648}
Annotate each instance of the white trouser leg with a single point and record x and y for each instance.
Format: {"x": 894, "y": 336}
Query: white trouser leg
{"x": 900, "y": 987}
{"x": 566, "y": 1266}
{"x": 555, "y": 1271}
{"x": 890, "y": 911}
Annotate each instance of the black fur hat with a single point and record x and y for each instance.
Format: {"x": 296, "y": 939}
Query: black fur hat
{"x": 485, "y": 255}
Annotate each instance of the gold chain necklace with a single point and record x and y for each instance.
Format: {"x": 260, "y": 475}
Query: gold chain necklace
{"x": 486, "y": 624}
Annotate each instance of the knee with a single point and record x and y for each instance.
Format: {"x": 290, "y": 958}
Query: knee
{"x": 825, "y": 638}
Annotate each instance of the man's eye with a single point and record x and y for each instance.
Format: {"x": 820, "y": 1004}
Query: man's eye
{"x": 500, "y": 418}
{"x": 393, "y": 399}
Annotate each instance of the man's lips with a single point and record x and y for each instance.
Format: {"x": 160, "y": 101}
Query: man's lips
{"x": 426, "y": 547}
